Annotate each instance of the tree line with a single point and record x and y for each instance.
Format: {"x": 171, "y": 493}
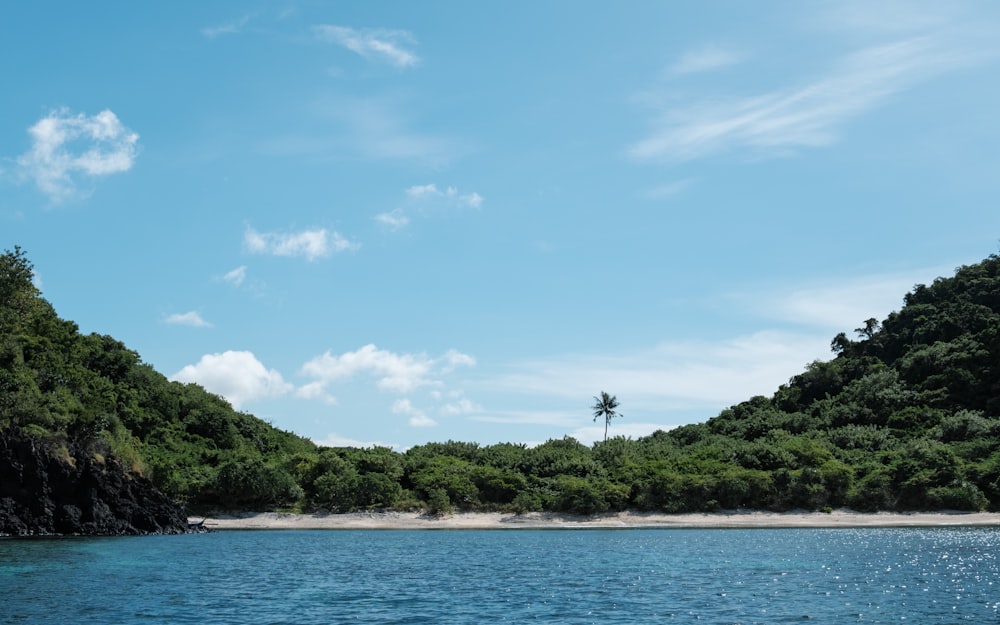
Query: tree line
{"x": 904, "y": 416}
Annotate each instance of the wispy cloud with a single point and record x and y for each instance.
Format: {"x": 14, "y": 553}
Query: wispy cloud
{"x": 887, "y": 17}
{"x": 236, "y": 276}
{"x": 228, "y": 28}
{"x": 453, "y": 359}
{"x": 837, "y": 305}
{"x": 394, "y": 219}
{"x": 430, "y": 191}
{"x": 558, "y": 418}
{"x": 418, "y": 418}
{"x": 192, "y": 319}
{"x": 69, "y": 149}
{"x": 428, "y": 197}
{"x": 812, "y": 114}
{"x": 698, "y": 378}
{"x": 383, "y": 45}
{"x": 705, "y": 59}
{"x": 461, "y": 406}
{"x": 674, "y": 375}
{"x": 236, "y": 375}
{"x": 315, "y": 390}
{"x": 312, "y": 244}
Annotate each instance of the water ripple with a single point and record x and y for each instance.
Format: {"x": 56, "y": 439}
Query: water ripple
{"x": 942, "y": 575}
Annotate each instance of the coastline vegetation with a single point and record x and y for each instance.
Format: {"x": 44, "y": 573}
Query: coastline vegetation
{"x": 905, "y": 416}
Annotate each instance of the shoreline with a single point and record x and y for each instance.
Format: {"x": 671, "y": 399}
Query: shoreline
{"x": 734, "y": 519}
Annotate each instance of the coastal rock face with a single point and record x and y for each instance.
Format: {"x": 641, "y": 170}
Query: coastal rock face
{"x": 44, "y": 492}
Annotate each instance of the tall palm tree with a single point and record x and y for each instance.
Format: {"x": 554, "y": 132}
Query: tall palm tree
{"x": 605, "y": 406}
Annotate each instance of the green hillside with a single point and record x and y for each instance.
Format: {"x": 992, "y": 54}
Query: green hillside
{"x": 91, "y": 391}
{"x": 904, "y": 416}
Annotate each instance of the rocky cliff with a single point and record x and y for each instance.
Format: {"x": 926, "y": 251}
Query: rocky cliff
{"x": 48, "y": 489}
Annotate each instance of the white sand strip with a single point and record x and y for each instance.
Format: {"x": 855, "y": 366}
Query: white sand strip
{"x": 544, "y": 520}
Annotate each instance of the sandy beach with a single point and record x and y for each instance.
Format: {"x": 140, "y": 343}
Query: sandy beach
{"x": 622, "y": 520}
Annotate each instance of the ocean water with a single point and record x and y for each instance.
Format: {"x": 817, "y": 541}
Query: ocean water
{"x": 913, "y": 575}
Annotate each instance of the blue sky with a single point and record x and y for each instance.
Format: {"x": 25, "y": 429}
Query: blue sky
{"x": 400, "y": 222}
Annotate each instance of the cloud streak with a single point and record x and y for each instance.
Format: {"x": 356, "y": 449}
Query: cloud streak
{"x": 311, "y": 244}
{"x": 426, "y": 198}
{"x": 840, "y": 306}
{"x": 430, "y": 191}
{"x": 382, "y": 45}
{"x": 807, "y": 116}
{"x": 192, "y": 319}
{"x": 236, "y": 276}
{"x": 697, "y": 379}
{"x": 229, "y": 28}
{"x": 675, "y": 375}
{"x": 69, "y": 149}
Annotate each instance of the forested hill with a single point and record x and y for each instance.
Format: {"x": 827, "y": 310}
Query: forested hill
{"x": 91, "y": 396}
{"x": 903, "y": 416}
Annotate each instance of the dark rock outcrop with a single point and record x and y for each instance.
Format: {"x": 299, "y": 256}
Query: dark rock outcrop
{"x": 48, "y": 489}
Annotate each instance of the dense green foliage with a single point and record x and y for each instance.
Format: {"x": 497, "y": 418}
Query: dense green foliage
{"x": 903, "y": 417}
{"x": 64, "y": 386}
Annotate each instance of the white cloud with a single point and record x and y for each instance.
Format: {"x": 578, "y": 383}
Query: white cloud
{"x": 67, "y": 149}
{"x": 424, "y": 191}
{"x": 401, "y": 373}
{"x": 427, "y": 198}
{"x": 810, "y": 115}
{"x": 236, "y": 375}
{"x": 420, "y": 190}
{"x": 229, "y": 28}
{"x": 705, "y": 59}
{"x": 421, "y": 421}
{"x": 460, "y": 407}
{"x": 396, "y": 373}
{"x": 454, "y": 359}
{"x": 388, "y": 46}
{"x": 312, "y": 244}
{"x": 191, "y": 318}
{"x": 472, "y": 200}
{"x": 418, "y": 418}
{"x": 395, "y": 219}
{"x": 236, "y": 276}
{"x": 315, "y": 390}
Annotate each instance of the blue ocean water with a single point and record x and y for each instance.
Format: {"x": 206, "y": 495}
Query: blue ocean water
{"x": 925, "y": 575}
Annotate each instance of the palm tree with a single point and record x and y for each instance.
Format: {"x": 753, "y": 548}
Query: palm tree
{"x": 605, "y": 406}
